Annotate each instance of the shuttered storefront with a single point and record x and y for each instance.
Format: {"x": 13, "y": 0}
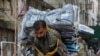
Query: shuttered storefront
{"x": 6, "y": 34}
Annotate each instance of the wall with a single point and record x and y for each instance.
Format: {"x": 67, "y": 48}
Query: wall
{"x": 82, "y": 6}
{"x": 88, "y": 13}
{"x": 6, "y": 12}
{"x": 93, "y": 12}
{"x": 55, "y": 3}
{"x": 6, "y": 15}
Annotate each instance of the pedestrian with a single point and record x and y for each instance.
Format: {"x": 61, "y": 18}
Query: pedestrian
{"x": 83, "y": 51}
{"x": 73, "y": 54}
{"x": 47, "y": 41}
{"x": 98, "y": 53}
{"x": 91, "y": 51}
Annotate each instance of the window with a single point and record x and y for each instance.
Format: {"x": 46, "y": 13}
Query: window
{"x": 86, "y": 18}
{"x": 60, "y": 5}
{"x": 90, "y": 5}
{"x": 0, "y": 34}
{"x": 80, "y": 6}
{"x": 92, "y": 21}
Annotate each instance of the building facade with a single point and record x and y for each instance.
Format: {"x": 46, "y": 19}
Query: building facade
{"x": 93, "y": 12}
{"x": 88, "y": 12}
{"x": 6, "y": 20}
{"x": 7, "y": 27}
{"x": 98, "y": 20}
{"x": 56, "y": 3}
{"x": 88, "y": 9}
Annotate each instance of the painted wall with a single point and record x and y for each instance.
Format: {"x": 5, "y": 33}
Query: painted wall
{"x": 55, "y": 3}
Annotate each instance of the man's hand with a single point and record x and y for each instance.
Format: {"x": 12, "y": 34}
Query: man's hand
{"x": 49, "y": 54}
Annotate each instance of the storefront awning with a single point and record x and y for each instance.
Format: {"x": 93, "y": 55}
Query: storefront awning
{"x": 97, "y": 31}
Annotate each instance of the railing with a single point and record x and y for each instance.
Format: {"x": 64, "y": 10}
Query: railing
{"x": 6, "y": 48}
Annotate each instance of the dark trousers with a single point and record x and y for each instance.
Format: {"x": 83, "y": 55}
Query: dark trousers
{"x": 56, "y": 54}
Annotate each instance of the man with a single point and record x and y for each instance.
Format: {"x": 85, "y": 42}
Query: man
{"x": 98, "y": 52}
{"x": 83, "y": 47}
{"x": 47, "y": 41}
{"x": 91, "y": 52}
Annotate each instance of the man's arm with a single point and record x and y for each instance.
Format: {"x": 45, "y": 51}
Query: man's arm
{"x": 62, "y": 50}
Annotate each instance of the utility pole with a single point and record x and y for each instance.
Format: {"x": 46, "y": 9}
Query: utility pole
{"x": 15, "y": 35}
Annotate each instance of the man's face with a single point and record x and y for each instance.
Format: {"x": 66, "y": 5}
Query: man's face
{"x": 40, "y": 33}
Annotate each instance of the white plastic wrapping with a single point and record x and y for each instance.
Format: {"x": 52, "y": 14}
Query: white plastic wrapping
{"x": 30, "y": 17}
{"x": 64, "y": 15}
{"x": 86, "y": 29}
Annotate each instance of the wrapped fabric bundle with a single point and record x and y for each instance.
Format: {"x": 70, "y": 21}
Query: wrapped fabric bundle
{"x": 30, "y": 17}
{"x": 61, "y": 17}
{"x": 85, "y": 29}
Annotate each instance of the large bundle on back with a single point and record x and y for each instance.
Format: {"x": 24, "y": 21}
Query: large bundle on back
{"x": 61, "y": 19}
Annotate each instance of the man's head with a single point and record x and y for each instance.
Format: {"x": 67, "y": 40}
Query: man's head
{"x": 40, "y": 28}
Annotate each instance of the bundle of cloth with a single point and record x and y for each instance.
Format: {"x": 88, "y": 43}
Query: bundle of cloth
{"x": 61, "y": 19}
